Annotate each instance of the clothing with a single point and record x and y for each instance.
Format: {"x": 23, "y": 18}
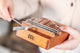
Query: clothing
{"x": 66, "y": 14}
{"x": 63, "y": 11}
{"x": 24, "y": 8}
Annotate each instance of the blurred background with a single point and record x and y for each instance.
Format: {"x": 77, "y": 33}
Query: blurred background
{"x": 10, "y": 43}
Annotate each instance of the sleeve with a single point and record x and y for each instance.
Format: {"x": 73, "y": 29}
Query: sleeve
{"x": 24, "y": 8}
{"x": 78, "y": 48}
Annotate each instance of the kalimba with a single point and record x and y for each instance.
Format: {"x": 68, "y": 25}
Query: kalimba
{"x": 42, "y": 32}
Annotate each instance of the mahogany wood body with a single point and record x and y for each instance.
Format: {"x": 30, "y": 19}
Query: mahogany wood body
{"x": 41, "y": 37}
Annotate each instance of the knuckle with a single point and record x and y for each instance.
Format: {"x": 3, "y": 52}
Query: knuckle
{"x": 65, "y": 27}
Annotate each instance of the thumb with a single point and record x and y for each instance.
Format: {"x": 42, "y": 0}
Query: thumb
{"x": 69, "y": 44}
{"x": 74, "y": 33}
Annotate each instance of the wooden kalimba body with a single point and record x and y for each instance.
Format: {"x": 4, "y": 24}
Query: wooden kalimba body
{"x": 42, "y": 32}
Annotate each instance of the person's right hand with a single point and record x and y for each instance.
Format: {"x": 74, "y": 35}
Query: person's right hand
{"x": 6, "y": 9}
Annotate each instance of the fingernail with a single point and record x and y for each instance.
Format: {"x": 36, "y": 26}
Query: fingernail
{"x": 9, "y": 19}
{"x": 12, "y": 17}
{"x": 61, "y": 28}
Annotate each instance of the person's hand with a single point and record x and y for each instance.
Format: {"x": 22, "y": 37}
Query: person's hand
{"x": 72, "y": 42}
{"x": 6, "y": 9}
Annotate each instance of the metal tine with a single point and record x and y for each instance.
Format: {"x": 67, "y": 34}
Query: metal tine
{"x": 17, "y": 22}
{"x": 22, "y": 27}
{"x": 42, "y": 26}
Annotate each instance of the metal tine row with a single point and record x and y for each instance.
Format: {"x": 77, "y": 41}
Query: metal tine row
{"x": 42, "y": 26}
{"x": 40, "y": 20}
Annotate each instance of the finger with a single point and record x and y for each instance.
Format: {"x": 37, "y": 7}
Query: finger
{"x": 2, "y": 3}
{"x": 11, "y": 9}
{"x": 68, "y": 44}
{"x": 74, "y": 33}
{"x": 1, "y": 16}
{"x": 5, "y": 13}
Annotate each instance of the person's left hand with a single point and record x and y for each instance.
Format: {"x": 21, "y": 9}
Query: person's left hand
{"x": 72, "y": 42}
{"x": 6, "y": 9}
